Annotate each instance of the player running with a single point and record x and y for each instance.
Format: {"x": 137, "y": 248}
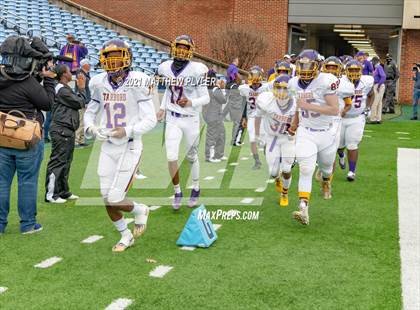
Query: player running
{"x": 125, "y": 114}
{"x": 277, "y": 110}
{"x": 251, "y": 91}
{"x": 354, "y": 120}
{"x": 318, "y": 105}
{"x": 181, "y": 106}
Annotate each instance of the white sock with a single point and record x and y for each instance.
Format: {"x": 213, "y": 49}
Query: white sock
{"x": 196, "y": 184}
{"x": 195, "y": 171}
{"x": 286, "y": 182}
{"x": 177, "y": 188}
{"x": 121, "y": 225}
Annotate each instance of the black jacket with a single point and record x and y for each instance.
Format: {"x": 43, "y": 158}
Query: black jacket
{"x": 87, "y": 90}
{"x": 27, "y": 96}
{"x": 65, "y": 112}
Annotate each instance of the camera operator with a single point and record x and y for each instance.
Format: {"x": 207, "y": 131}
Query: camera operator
{"x": 21, "y": 91}
{"x": 65, "y": 122}
{"x": 416, "y": 91}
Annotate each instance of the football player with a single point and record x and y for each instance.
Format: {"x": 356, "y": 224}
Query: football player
{"x": 280, "y": 68}
{"x": 251, "y": 91}
{"x": 353, "y": 119}
{"x": 181, "y": 106}
{"x": 277, "y": 109}
{"x": 317, "y": 102}
{"x": 125, "y": 114}
{"x": 345, "y": 93}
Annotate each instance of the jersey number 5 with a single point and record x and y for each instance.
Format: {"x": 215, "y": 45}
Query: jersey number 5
{"x": 119, "y": 115}
{"x": 357, "y": 101}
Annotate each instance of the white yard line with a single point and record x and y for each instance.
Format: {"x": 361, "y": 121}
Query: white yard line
{"x": 92, "y": 239}
{"x": 48, "y": 262}
{"x": 367, "y": 136}
{"x": 403, "y": 138}
{"x": 260, "y": 189}
{"x": 233, "y": 164}
{"x": 409, "y": 225}
{"x": 119, "y": 304}
{"x": 367, "y": 130}
{"x": 402, "y": 133}
{"x": 3, "y": 289}
{"x": 188, "y": 248}
{"x": 153, "y": 208}
{"x": 270, "y": 181}
{"x": 244, "y": 158}
{"x": 221, "y": 170}
{"x": 247, "y": 200}
{"x": 160, "y": 271}
{"x": 208, "y": 178}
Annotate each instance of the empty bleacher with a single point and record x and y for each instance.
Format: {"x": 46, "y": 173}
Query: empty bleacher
{"x": 40, "y": 18}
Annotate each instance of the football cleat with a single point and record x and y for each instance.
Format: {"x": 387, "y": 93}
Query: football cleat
{"x": 342, "y": 162}
{"x": 123, "y": 244}
{"x": 195, "y": 194}
{"x": 73, "y": 197}
{"x": 176, "y": 204}
{"x": 140, "y": 222}
{"x": 56, "y": 201}
{"x": 284, "y": 200}
{"x": 302, "y": 216}
{"x": 326, "y": 189}
{"x": 351, "y": 176}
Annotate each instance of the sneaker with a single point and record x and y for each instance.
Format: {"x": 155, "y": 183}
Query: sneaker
{"x": 177, "y": 201}
{"x": 342, "y": 162}
{"x": 326, "y": 189}
{"x": 73, "y": 197}
{"x": 224, "y": 158}
{"x": 351, "y": 176}
{"x": 257, "y": 165}
{"x": 57, "y": 201}
{"x": 214, "y": 160}
{"x": 195, "y": 194}
{"x": 124, "y": 243}
{"x": 302, "y": 216}
{"x": 140, "y": 222}
{"x": 37, "y": 228}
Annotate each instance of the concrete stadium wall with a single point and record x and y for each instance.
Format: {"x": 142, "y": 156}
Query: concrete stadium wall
{"x": 167, "y": 19}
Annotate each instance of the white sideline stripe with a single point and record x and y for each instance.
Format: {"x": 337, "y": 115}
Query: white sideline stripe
{"x": 48, "y": 262}
{"x": 367, "y": 136}
{"x": 129, "y": 220}
{"x": 404, "y": 138}
{"x": 247, "y": 200}
{"x": 188, "y": 248}
{"x": 92, "y": 239}
{"x": 3, "y": 289}
{"x": 260, "y": 189}
{"x": 119, "y": 304}
{"x": 217, "y": 226}
{"x": 164, "y": 201}
{"x": 160, "y": 271}
{"x": 244, "y": 158}
{"x": 233, "y": 164}
{"x": 402, "y": 133}
{"x": 221, "y": 170}
{"x": 153, "y": 208}
{"x": 408, "y": 164}
{"x": 210, "y": 177}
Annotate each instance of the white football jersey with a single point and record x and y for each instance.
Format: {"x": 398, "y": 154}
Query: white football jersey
{"x": 251, "y": 95}
{"x": 324, "y": 84}
{"x": 361, "y": 91}
{"x": 126, "y": 106}
{"x": 188, "y": 83}
{"x": 275, "y": 119}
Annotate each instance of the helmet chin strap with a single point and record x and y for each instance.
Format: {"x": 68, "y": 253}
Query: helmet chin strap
{"x": 117, "y": 78}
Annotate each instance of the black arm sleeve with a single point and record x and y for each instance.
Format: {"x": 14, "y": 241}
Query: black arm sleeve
{"x": 41, "y": 97}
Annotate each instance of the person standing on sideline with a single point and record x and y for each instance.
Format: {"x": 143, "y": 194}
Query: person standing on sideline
{"x": 379, "y": 89}
{"x": 84, "y": 70}
{"x": 65, "y": 121}
{"x": 75, "y": 50}
{"x": 416, "y": 91}
{"x": 232, "y": 70}
{"x": 392, "y": 75}
{"x": 213, "y": 116}
{"x": 367, "y": 65}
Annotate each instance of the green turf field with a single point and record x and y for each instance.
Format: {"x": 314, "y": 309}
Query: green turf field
{"x": 347, "y": 258}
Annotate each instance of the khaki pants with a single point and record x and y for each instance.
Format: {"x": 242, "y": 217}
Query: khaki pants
{"x": 376, "y": 109}
{"x": 80, "y": 133}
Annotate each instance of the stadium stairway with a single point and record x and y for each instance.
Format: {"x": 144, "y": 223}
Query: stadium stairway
{"x": 51, "y": 23}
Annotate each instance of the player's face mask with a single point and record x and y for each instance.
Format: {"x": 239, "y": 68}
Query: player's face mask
{"x": 354, "y": 73}
{"x": 115, "y": 59}
{"x": 306, "y": 69}
{"x": 281, "y": 93}
{"x": 334, "y": 69}
{"x": 182, "y": 51}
